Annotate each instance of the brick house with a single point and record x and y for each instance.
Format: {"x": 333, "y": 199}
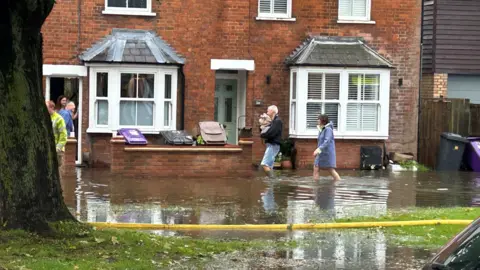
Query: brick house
{"x": 451, "y": 51}
{"x": 166, "y": 65}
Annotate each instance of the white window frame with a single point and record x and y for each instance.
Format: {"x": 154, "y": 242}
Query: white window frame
{"x": 129, "y": 11}
{"x": 275, "y": 16}
{"x": 114, "y": 80}
{"x": 340, "y": 132}
{"x": 357, "y": 19}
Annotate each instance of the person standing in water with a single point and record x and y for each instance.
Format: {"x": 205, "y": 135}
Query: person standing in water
{"x": 325, "y": 156}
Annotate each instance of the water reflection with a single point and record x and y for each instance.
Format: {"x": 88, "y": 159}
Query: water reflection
{"x": 97, "y": 196}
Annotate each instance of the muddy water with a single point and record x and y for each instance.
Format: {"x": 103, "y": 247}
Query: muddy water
{"x": 97, "y": 196}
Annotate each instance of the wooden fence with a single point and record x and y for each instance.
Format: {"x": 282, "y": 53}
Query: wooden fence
{"x": 444, "y": 115}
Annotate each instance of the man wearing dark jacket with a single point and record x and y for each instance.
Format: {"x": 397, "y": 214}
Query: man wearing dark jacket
{"x": 273, "y": 137}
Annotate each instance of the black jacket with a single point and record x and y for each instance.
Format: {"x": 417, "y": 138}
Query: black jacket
{"x": 274, "y": 133}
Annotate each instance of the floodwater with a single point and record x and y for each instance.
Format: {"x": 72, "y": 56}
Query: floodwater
{"x": 97, "y": 196}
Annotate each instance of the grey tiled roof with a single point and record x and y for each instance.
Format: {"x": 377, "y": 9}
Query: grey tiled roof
{"x": 132, "y": 46}
{"x": 336, "y": 52}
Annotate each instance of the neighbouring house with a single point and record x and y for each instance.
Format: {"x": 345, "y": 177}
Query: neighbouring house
{"x": 451, "y": 49}
{"x": 166, "y": 65}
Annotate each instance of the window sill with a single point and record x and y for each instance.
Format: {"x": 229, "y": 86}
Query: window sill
{"x": 355, "y": 22}
{"x": 275, "y": 19}
{"x": 129, "y": 13}
{"x": 109, "y": 131}
{"x": 341, "y": 137}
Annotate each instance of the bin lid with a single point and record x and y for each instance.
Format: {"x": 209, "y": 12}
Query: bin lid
{"x": 454, "y": 137}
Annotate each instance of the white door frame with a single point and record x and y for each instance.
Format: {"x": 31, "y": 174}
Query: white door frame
{"x": 241, "y": 78}
{"x": 65, "y": 71}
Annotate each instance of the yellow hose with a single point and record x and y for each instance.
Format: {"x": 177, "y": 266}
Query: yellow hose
{"x": 147, "y": 226}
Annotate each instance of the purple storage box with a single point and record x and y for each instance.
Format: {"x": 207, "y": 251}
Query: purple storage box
{"x": 472, "y": 153}
{"x": 133, "y": 136}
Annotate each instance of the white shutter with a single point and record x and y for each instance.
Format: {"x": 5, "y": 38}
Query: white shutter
{"x": 331, "y": 110}
{"x": 345, "y": 8}
{"x": 264, "y": 6}
{"x": 280, "y": 6}
{"x": 362, "y": 117}
{"x": 313, "y": 111}
{"x": 353, "y": 86}
{"x": 371, "y": 87}
{"x": 359, "y": 8}
{"x": 315, "y": 85}
{"x": 332, "y": 86}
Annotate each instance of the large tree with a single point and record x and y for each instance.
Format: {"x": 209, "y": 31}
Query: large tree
{"x": 30, "y": 192}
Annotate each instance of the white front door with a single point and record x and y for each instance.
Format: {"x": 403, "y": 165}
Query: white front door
{"x": 226, "y": 107}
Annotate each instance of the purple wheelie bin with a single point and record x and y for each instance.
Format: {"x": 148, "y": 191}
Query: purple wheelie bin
{"x": 133, "y": 136}
{"x": 472, "y": 153}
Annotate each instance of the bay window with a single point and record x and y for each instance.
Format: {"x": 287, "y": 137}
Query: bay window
{"x": 143, "y": 98}
{"x": 355, "y": 100}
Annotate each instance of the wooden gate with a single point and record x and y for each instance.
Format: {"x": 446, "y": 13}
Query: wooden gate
{"x": 438, "y": 116}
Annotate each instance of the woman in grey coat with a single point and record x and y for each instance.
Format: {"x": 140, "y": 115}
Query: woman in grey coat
{"x": 325, "y": 156}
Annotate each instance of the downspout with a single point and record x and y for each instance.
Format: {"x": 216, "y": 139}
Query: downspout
{"x": 420, "y": 80}
{"x": 182, "y": 91}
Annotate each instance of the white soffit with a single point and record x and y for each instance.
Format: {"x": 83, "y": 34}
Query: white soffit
{"x": 64, "y": 70}
{"x": 232, "y": 64}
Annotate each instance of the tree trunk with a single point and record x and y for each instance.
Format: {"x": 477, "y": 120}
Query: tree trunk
{"x": 30, "y": 191}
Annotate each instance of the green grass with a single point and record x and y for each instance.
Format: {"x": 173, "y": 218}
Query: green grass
{"x": 462, "y": 213}
{"x": 410, "y": 164}
{"x": 428, "y": 237}
{"x": 78, "y": 247}
{"x": 422, "y": 236}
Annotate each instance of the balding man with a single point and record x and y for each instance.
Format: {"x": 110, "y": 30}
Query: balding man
{"x": 59, "y": 131}
{"x": 273, "y": 138}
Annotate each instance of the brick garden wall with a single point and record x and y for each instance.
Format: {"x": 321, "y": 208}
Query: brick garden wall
{"x": 170, "y": 162}
{"x": 348, "y": 152}
{"x": 228, "y": 29}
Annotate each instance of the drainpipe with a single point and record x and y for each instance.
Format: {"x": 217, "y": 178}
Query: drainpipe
{"x": 420, "y": 81}
{"x": 182, "y": 91}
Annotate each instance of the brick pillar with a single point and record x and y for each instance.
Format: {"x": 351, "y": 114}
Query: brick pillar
{"x": 117, "y": 163}
{"x": 245, "y": 160}
{"x": 69, "y": 156}
{"x": 434, "y": 85}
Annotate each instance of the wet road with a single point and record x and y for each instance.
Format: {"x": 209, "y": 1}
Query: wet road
{"x": 97, "y": 196}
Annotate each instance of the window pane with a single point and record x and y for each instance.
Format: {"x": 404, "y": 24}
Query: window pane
{"x": 280, "y": 6}
{"x": 168, "y": 86}
{"x": 228, "y": 109}
{"x": 117, "y": 3}
{"x": 167, "y": 113}
{"x": 264, "y": 6}
{"x": 353, "y": 86}
{"x": 137, "y": 3}
{"x": 371, "y": 90}
{"x": 362, "y": 117}
{"x": 128, "y": 85}
{"x": 128, "y": 110}
{"x": 145, "y": 85}
{"x": 313, "y": 111}
{"x": 345, "y": 7}
{"x": 215, "y": 115}
{"x": 359, "y": 8}
{"x": 315, "y": 85}
{"x": 331, "y": 110}
{"x": 102, "y": 112}
{"x": 144, "y": 113}
{"x": 102, "y": 84}
{"x": 332, "y": 86}
{"x": 293, "y": 122}
{"x": 294, "y": 85}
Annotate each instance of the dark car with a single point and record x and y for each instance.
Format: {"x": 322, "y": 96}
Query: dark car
{"x": 461, "y": 253}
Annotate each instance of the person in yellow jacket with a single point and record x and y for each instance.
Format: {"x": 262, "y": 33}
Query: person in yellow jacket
{"x": 59, "y": 131}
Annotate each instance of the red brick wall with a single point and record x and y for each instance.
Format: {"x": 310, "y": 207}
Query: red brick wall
{"x": 228, "y": 29}
{"x": 181, "y": 164}
{"x": 347, "y": 151}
